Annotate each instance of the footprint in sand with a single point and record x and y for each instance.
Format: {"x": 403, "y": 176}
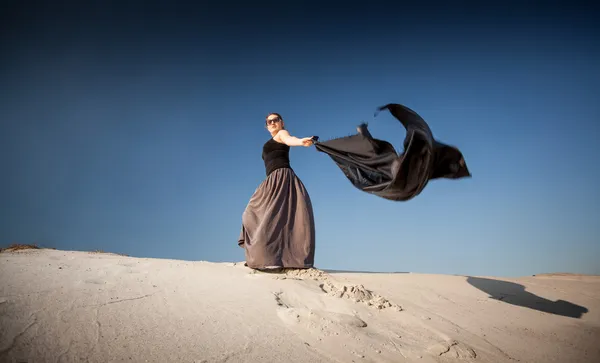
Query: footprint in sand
{"x": 327, "y": 328}
{"x": 452, "y": 349}
{"x": 290, "y": 314}
{"x": 359, "y": 294}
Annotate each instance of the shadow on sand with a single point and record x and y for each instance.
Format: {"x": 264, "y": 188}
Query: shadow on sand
{"x": 515, "y": 294}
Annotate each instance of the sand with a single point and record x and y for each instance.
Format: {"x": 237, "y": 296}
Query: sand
{"x": 67, "y": 306}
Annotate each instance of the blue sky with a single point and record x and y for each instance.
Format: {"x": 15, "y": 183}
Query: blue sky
{"x": 139, "y": 130}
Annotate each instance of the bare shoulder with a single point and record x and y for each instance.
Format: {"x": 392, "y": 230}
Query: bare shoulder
{"x": 281, "y": 135}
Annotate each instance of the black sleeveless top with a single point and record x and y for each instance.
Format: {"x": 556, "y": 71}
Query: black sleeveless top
{"x": 275, "y": 155}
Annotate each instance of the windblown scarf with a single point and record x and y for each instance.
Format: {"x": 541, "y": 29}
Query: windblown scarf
{"x": 373, "y": 166}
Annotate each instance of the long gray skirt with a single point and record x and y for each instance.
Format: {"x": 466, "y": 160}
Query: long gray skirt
{"x": 278, "y": 227}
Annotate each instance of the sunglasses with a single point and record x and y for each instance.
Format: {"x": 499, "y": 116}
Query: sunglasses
{"x": 273, "y": 120}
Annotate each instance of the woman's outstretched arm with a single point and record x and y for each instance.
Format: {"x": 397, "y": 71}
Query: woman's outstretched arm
{"x": 285, "y": 137}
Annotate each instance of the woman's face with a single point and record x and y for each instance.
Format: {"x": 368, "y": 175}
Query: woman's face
{"x": 274, "y": 123}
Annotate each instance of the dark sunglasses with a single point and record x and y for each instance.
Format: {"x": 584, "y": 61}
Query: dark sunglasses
{"x": 273, "y": 120}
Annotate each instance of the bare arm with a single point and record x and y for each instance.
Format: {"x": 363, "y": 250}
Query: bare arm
{"x": 285, "y": 137}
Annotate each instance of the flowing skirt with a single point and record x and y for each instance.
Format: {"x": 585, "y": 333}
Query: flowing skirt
{"x": 278, "y": 227}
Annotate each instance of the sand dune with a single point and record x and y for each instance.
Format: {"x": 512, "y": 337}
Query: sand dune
{"x": 65, "y": 306}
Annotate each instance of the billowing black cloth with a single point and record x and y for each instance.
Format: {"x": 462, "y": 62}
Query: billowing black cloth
{"x": 374, "y": 166}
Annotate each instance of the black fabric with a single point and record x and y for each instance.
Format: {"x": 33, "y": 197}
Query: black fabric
{"x": 374, "y": 166}
{"x": 275, "y": 155}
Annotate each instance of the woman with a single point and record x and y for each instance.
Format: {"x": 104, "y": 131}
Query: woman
{"x": 278, "y": 229}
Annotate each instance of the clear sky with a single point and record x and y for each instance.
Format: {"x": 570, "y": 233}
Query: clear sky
{"x": 138, "y": 129}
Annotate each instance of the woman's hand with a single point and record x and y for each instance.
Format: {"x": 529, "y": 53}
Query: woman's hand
{"x": 307, "y": 141}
